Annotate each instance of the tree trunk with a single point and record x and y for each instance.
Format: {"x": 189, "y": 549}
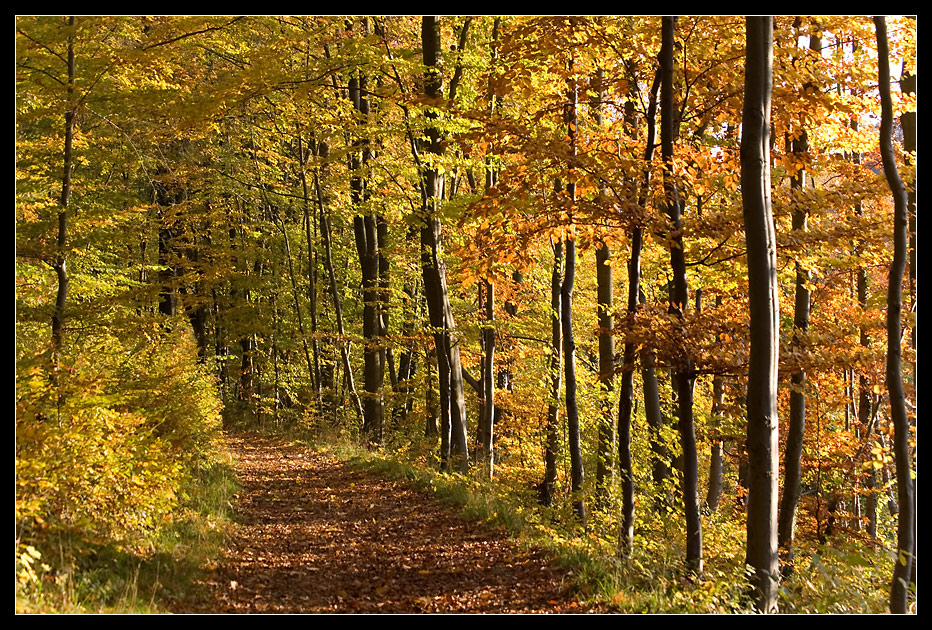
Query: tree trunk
{"x": 309, "y": 224}
{"x": 792, "y": 462}
{"x": 551, "y": 432}
{"x": 367, "y": 249}
{"x": 605, "y": 318}
{"x": 864, "y": 402}
{"x": 452, "y": 399}
{"x": 716, "y": 462}
{"x": 683, "y": 364}
{"x": 487, "y": 420}
{"x": 297, "y": 303}
{"x": 577, "y": 476}
{"x": 61, "y": 241}
{"x": 626, "y": 397}
{"x": 407, "y": 363}
{"x": 899, "y": 590}
{"x": 908, "y": 122}
{"x": 325, "y": 235}
{"x": 566, "y": 317}
{"x": 653, "y": 413}
{"x": 763, "y": 302}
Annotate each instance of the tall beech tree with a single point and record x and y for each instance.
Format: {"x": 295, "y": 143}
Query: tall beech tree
{"x": 554, "y": 374}
{"x": 577, "y": 474}
{"x": 369, "y": 251}
{"x": 906, "y": 534}
{"x": 606, "y": 321}
{"x": 683, "y": 365}
{"x": 452, "y": 399}
{"x": 629, "y": 353}
{"x": 764, "y": 306}
{"x": 799, "y": 147}
{"x": 61, "y": 239}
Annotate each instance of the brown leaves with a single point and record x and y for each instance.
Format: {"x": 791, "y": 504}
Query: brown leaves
{"x": 317, "y": 536}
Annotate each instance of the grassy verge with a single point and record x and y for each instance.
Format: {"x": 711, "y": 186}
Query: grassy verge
{"x": 828, "y": 579}
{"x": 155, "y": 572}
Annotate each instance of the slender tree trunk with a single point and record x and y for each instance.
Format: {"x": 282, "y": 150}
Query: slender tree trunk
{"x": 487, "y": 419}
{"x": 365, "y": 231}
{"x": 488, "y": 376}
{"x": 909, "y": 122}
{"x": 551, "y": 431}
{"x": 297, "y": 303}
{"x": 505, "y": 377}
{"x": 407, "y": 363}
{"x": 899, "y": 590}
{"x": 626, "y": 397}
{"x": 716, "y": 462}
{"x": 249, "y": 367}
{"x": 606, "y": 376}
{"x": 683, "y": 372}
{"x": 792, "y": 462}
{"x": 605, "y": 318}
{"x": 569, "y": 365}
{"x": 574, "y": 438}
{"x": 431, "y": 425}
{"x": 864, "y": 402}
{"x": 325, "y": 235}
{"x": 489, "y": 411}
{"x": 452, "y": 399}
{"x": 61, "y": 241}
{"x": 653, "y": 413}
{"x": 309, "y": 224}
{"x": 763, "y": 301}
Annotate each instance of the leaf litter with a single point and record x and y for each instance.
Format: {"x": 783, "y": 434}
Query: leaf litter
{"x": 313, "y": 535}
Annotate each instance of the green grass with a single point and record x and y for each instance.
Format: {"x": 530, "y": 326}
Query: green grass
{"x": 832, "y": 579}
{"x": 148, "y": 574}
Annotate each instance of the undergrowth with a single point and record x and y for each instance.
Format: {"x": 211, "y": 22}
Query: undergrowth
{"x": 150, "y": 572}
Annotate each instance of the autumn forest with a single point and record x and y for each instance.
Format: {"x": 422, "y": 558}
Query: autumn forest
{"x": 639, "y": 291}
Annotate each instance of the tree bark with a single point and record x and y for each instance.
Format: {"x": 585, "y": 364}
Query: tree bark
{"x": 61, "y": 241}
{"x": 309, "y": 223}
{"x": 487, "y": 421}
{"x": 577, "y": 475}
{"x": 792, "y": 462}
{"x": 716, "y": 461}
{"x": 367, "y": 249}
{"x": 899, "y": 590}
{"x": 605, "y": 317}
{"x": 297, "y": 303}
{"x": 683, "y": 364}
{"x": 551, "y": 432}
{"x": 606, "y": 376}
{"x": 763, "y": 302}
{"x": 452, "y": 399}
{"x": 325, "y": 235}
{"x": 626, "y": 396}
{"x": 908, "y": 121}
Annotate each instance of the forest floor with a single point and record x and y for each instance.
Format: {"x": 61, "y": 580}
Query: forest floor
{"x": 312, "y": 534}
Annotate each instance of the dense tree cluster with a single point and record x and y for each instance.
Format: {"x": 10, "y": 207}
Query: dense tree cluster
{"x": 518, "y": 245}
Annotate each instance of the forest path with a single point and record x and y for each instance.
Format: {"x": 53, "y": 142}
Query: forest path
{"x": 314, "y": 535}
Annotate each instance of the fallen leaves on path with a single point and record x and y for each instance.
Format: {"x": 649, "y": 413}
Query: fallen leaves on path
{"x": 314, "y": 535}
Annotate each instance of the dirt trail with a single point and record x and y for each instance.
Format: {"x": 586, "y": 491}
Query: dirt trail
{"x": 315, "y": 536}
